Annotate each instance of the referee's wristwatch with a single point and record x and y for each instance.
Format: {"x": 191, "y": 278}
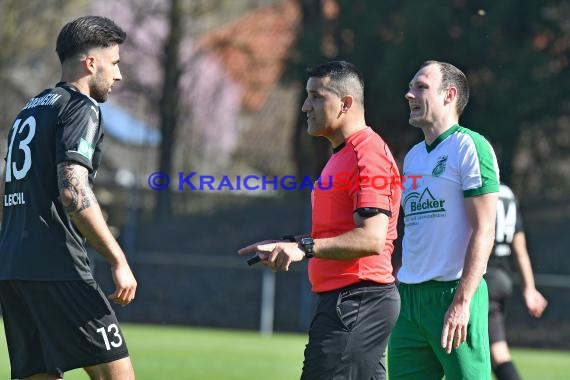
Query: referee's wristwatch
{"x": 307, "y": 244}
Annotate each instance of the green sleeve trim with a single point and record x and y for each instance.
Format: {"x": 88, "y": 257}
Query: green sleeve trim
{"x": 487, "y": 164}
{"x": 491, "y": 188}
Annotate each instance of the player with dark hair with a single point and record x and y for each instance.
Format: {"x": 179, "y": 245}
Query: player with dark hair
{"x": 353, "y": 229}
{"x": 56, "y": 317}
{"x": 509, "y": 241}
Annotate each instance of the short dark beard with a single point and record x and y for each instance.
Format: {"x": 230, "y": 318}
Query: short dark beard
{"x": 97, "y": 91}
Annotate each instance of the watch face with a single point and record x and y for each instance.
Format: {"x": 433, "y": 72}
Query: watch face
{"x": 307, "y": 244}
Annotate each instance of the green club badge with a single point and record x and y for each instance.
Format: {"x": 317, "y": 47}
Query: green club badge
{"x": 440, "y": 166}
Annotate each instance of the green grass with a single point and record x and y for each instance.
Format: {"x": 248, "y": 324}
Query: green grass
{"x": 162, "y": 352}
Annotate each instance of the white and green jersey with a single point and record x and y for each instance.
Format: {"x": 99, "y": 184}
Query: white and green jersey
{"x": 460, "y": 163}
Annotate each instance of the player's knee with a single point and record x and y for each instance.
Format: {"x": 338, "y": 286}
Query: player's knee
{"x": 500, "y": 353}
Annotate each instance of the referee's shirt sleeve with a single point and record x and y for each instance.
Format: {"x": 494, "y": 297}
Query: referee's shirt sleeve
{"x": 376, "y": 171}
{"x": 77, "y": 133}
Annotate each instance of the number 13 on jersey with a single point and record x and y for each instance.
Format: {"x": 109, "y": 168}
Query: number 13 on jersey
{"x": 29, "y": 129}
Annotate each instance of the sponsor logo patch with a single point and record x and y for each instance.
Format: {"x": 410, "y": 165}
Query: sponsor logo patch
{"x": 422, "y": 203}
{"x": 85, "y": 149}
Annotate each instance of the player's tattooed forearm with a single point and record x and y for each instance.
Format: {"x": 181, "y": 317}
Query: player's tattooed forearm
{"x": 73, "y": 183}
{"x": 68, "y": 182}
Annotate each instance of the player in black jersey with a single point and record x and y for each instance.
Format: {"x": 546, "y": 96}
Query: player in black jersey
{"x": 56, "y": 317}
{"x": 509, "y": 238}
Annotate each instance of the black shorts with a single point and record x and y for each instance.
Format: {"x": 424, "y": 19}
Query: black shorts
{"x": 350, "y": 331}
{"x": 500, "y": 287}
{"x": 55, "y": 326}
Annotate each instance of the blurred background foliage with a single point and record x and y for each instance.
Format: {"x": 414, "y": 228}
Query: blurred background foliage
{"x": 515, "y": 53}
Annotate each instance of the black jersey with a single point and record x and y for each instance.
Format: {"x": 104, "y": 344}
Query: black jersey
{"x": 38, "y": 241}
{"x": 509, "y": 222}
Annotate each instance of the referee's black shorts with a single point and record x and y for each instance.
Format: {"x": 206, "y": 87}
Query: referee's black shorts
{"x": 349, "y": 332}
{"x": 55, "y": 326}
{"x": 500, "y": 287}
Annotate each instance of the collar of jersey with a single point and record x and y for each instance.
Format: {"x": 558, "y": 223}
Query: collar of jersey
{"x": 442, "y": 137}
{"x": 72, "y": 87}
{"x": 338, "y": 148}
{"x": 65, "y": 84}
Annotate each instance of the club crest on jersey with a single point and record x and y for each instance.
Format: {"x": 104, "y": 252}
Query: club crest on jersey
{"x": 440, "y": 166}
{"x": 85, "y": 149}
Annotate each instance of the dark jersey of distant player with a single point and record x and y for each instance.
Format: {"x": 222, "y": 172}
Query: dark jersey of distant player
{"x": 509, "y": 222}
{"x": 38, "y": 240}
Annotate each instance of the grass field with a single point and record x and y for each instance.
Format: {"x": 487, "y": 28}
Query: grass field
{"x": 180, "y": 353}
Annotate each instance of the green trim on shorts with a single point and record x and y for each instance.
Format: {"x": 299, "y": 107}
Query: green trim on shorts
{"x": 414, "y": 350}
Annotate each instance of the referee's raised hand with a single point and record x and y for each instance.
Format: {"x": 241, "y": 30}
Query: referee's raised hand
{"x": 278, "y": 255}
{"x": 252, "y": 250}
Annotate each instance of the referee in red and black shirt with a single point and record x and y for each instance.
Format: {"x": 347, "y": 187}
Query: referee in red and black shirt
{"x": 355, "y": 208}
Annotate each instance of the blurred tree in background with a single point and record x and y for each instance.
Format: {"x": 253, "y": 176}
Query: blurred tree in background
{"x": 310, "y": 154}
{"x": 176, "y": 85}
{"x": 28, "y": 61}
{"x": 515, "y": 54}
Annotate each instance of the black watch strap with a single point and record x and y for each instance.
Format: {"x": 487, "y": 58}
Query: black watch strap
{"x": 307, "y": 244}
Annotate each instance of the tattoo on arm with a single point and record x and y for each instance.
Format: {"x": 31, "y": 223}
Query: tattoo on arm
{"x": 73, "y": 183}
